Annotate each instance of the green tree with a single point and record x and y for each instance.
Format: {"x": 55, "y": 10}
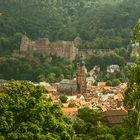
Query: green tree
{"x": 61, "y": 77}
{"x": 118, "y": 131}
{"x": 91, "y": 125}
{"x": 71, "y": 105}
{"x": 41, "y": 78}
{"x": 51, "y": 77}
{"x": 63, "y": 98}
{"x": 132, "y": 98}
{"x": 27, "y": 115}
{"x": 115, "y": 82}
{"x": 132, "y": 102}
{"x": 137, "y": 31}
{"x": 109, "y": 83}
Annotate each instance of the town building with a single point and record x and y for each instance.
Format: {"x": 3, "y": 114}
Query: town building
{"x": 113, "y": 68}
{"x": 67, "y": 86}
{"x": 114, "y": 117}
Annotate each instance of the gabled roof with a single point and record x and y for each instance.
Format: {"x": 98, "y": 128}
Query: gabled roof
{"x": 110, "y": 113}
{"x": 70, "y": 111}
{"x": 101, "y": 84}
{"x": 114, "y": 117}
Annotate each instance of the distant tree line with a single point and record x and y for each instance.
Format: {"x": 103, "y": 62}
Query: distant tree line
{"x": 24, "y": 69}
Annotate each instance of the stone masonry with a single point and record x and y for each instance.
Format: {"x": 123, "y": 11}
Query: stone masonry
{"x": 62, "y": 49}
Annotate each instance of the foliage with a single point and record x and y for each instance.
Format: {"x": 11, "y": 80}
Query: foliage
{"x": 109, "y": 83}
{"x": 23, "y": 69}
{"x": 25, "y": 114}
{"x": 63, "y": 98}
{"x": 113, "y": 83}
{"x": 91, "y": 125}
{"x": 71, "y": 105}
{"x": 137, "y": 31}
{"x": 132, "y": 99}
{"x": 118, "y": 131}
{"x": 104, "y": 60}
{"x": 63, "y": 20}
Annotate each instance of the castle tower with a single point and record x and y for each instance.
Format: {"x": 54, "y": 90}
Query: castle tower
{"x": 25, "y": 42}
{"x": 77, "y": 41}
{"x": 81, "y": 77}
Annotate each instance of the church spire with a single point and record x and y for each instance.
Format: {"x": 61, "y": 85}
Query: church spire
{"x": 81, "y": 76}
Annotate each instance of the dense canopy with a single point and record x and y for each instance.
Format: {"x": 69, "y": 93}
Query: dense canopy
{"x": 26, "y": 114}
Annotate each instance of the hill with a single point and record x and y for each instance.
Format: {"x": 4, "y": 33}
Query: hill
{"x": 101, "y": 24}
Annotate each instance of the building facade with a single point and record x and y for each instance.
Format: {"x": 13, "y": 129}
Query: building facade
{"x": 67, "y": 86}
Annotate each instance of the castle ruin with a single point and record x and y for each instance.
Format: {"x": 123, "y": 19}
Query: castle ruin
{"x": 63, "y": 49}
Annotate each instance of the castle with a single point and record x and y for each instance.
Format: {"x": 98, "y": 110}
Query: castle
{"x": 63, "y": 49}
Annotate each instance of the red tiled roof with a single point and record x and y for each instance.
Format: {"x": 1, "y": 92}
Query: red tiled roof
{"x": 101, "y": 84}
{"x": 70, "y": 111}
{"x": 115, "y": 113}
{"x": 106, "y": 88}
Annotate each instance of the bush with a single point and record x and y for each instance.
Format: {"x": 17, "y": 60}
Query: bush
{"x": 115, "y": 82}
{"x": 63, "y": 98}
{"x": 109, "y": 83}
{"x": 71, "y": 105}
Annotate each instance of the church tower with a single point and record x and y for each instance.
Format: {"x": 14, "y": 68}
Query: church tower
{"x": 81, "y": 77}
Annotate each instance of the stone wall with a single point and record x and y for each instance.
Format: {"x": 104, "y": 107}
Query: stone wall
{"x": 86, "y": 53}
{"x": 62, "y": 49}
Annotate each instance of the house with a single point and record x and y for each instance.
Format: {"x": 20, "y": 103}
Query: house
{"x": 107, "y": 88}
{"x": 90, "y": 80}
{"x": 101, "y": 84}
{"x": 95, "y": 70}
{"x": 46, "y": 85}
{"x": 70, "y": 111}
{"x": 71, "y": 98}
{"x": 114, "y": 117}
{"x": 65, "y": 105}
{"x": 113, "y": 68}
